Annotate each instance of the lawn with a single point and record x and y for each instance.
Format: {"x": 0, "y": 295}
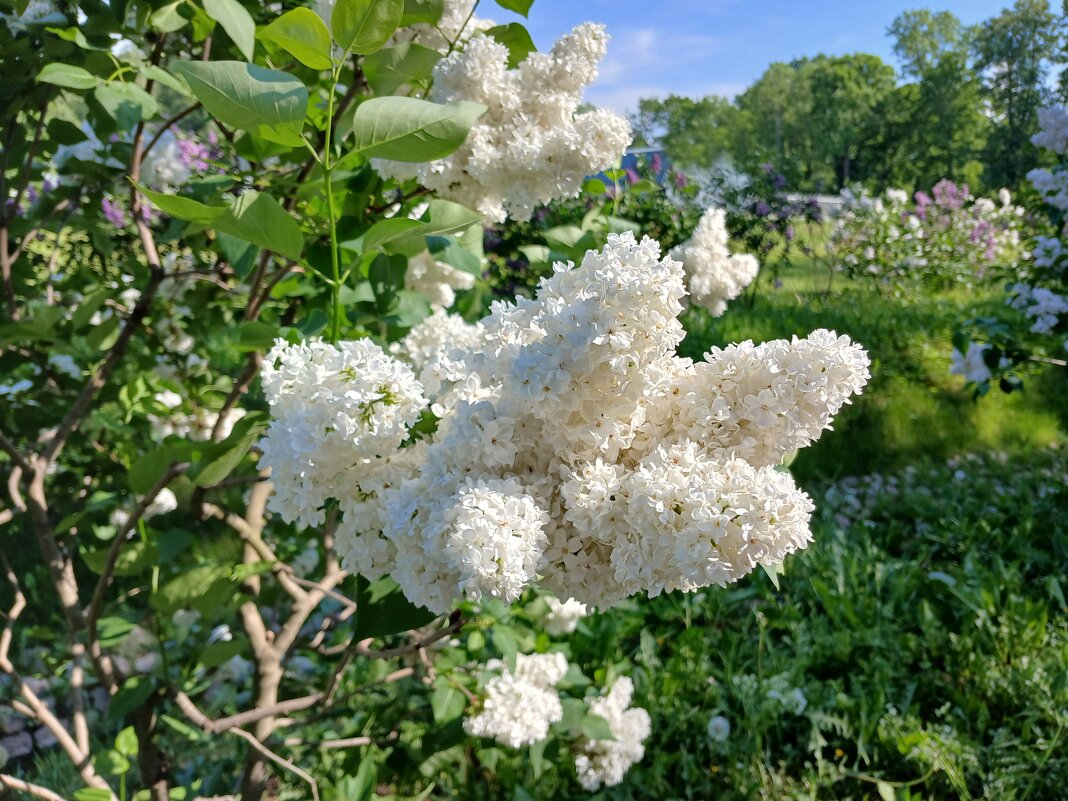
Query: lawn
{"x": 913, "y": 409}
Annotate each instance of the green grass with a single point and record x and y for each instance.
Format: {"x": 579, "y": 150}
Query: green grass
{"x": 913, "y": 408}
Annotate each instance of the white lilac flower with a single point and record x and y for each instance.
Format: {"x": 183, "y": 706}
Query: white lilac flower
{"x": 714, "y": 276}
{"x": 64, "y": 364}
{"x": 1053, "y": 133}
{"x": 335, "y": 409}
{"x": 519, "y": 706}
{"x": 532, "y": 145}
{"x": 606, "y": 762}
{"x": 436, "y": 280}
{"x": 164, "y": 502}
{"x": 970, "y": 364}
{"x": 563, "y": 616}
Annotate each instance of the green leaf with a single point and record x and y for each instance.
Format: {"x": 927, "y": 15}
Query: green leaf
{"x": 111, "y": 631}
{"x": 183, "y": 208}
{"x": 76, "y": 36}
{"x": 505, "y": 641}
{"x": 220, "y": 460}
{"x": 406, "y": 64}
{"x": 303, "y": 35}
{"x": 67, "y": 76}
{"x": 149, "y": 467}
{"x": 521, "y": 7}
{"x": 257, "y": 335}
{"x": 363, "y": 26}
{"x": 447, "y": 703}
{"x": 411, "y": 309}
{"x": 516, "y": 38}
{"x": 360, "y": 787}
{"x": 886, "y": 791}
{"x": 446, "y": 218}
{"x": 167, "y": 19}
{"x": 90, "y": 304}
{"x": 595, "y": 727}
{"x": 390, "y": 231}
{"x": 190, "y": 588}
{"x": 270, "y": 103}
{"x": 409, "y": 129}
{"x": 134, "y": 558}
{"x": 383, "y": 609}
{"x": 260, "y": 219}
{"x": 223, "y": 651}
{"x": 643, "y": 186}
{"x": 92, "y": 794}
{"x": 133, "y": 693}
{"x": 773, "y": 571}
{"x": 564, "y": 237}
{"x": 537, "y": 758}
{"x": 426, "y": 11}
{"x": 126, "y": 103}
{"x": 237, "y": 23}
{"x": 161, "y": 76}
{"x": 594, "y": 186}
{"x": 126, "y": 742}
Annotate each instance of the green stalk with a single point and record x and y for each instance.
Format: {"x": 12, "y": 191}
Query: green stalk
{"x": 336, "y": 314}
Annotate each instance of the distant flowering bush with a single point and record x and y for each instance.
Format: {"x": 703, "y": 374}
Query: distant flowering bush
{"x": 986, "y": 349}
{"x": 941, "y": 239}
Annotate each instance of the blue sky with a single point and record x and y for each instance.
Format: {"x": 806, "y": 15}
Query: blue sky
{"x": 700, "y": 47}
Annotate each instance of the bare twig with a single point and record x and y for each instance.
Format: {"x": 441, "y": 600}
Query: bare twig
{"x": 203, "y": 721}
{"x": 36, "y": 790}
{"x": 181, "y": 115}
{"x": 8, "y": 447}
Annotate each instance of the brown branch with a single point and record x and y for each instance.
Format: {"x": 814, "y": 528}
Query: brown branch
{"x": 36, "y": 790}
{"x": 17, "y": 458}
{"x": 181, "y": 115}
{"x": 363, "y": 648}
{"x": 242, "y": 719}
{"x": 190, "y": 710}
{"x": 244, "y": 381}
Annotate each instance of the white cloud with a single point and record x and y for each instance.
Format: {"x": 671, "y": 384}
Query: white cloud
{"x": 644, "y": 62}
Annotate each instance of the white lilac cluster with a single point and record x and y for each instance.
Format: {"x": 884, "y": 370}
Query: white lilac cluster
{"x": 164, "y": 503}
{"x": 574, "y": 447}
{"x": 436, "y": 280}
{"x": 197, "y": 425}
{"x": 1043, "y": 306}
{"x": 457, "y": 24}
{"x": 531, "y": 145}
{"x": 520, "y": 705}
{"x": 563, "y": 616}
{"x": 971, "y": 364}
{"x": 714, "y": 275}
{"x": 605, "y": 762}
{"x": 336, "y": 410}
{"x": 1052, "y": 185}
{"x": 1053, "y": 129}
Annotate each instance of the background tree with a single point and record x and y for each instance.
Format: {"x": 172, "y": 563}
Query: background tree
{"x": 695, "y": 132}
{"x": 1014, "y": 51}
